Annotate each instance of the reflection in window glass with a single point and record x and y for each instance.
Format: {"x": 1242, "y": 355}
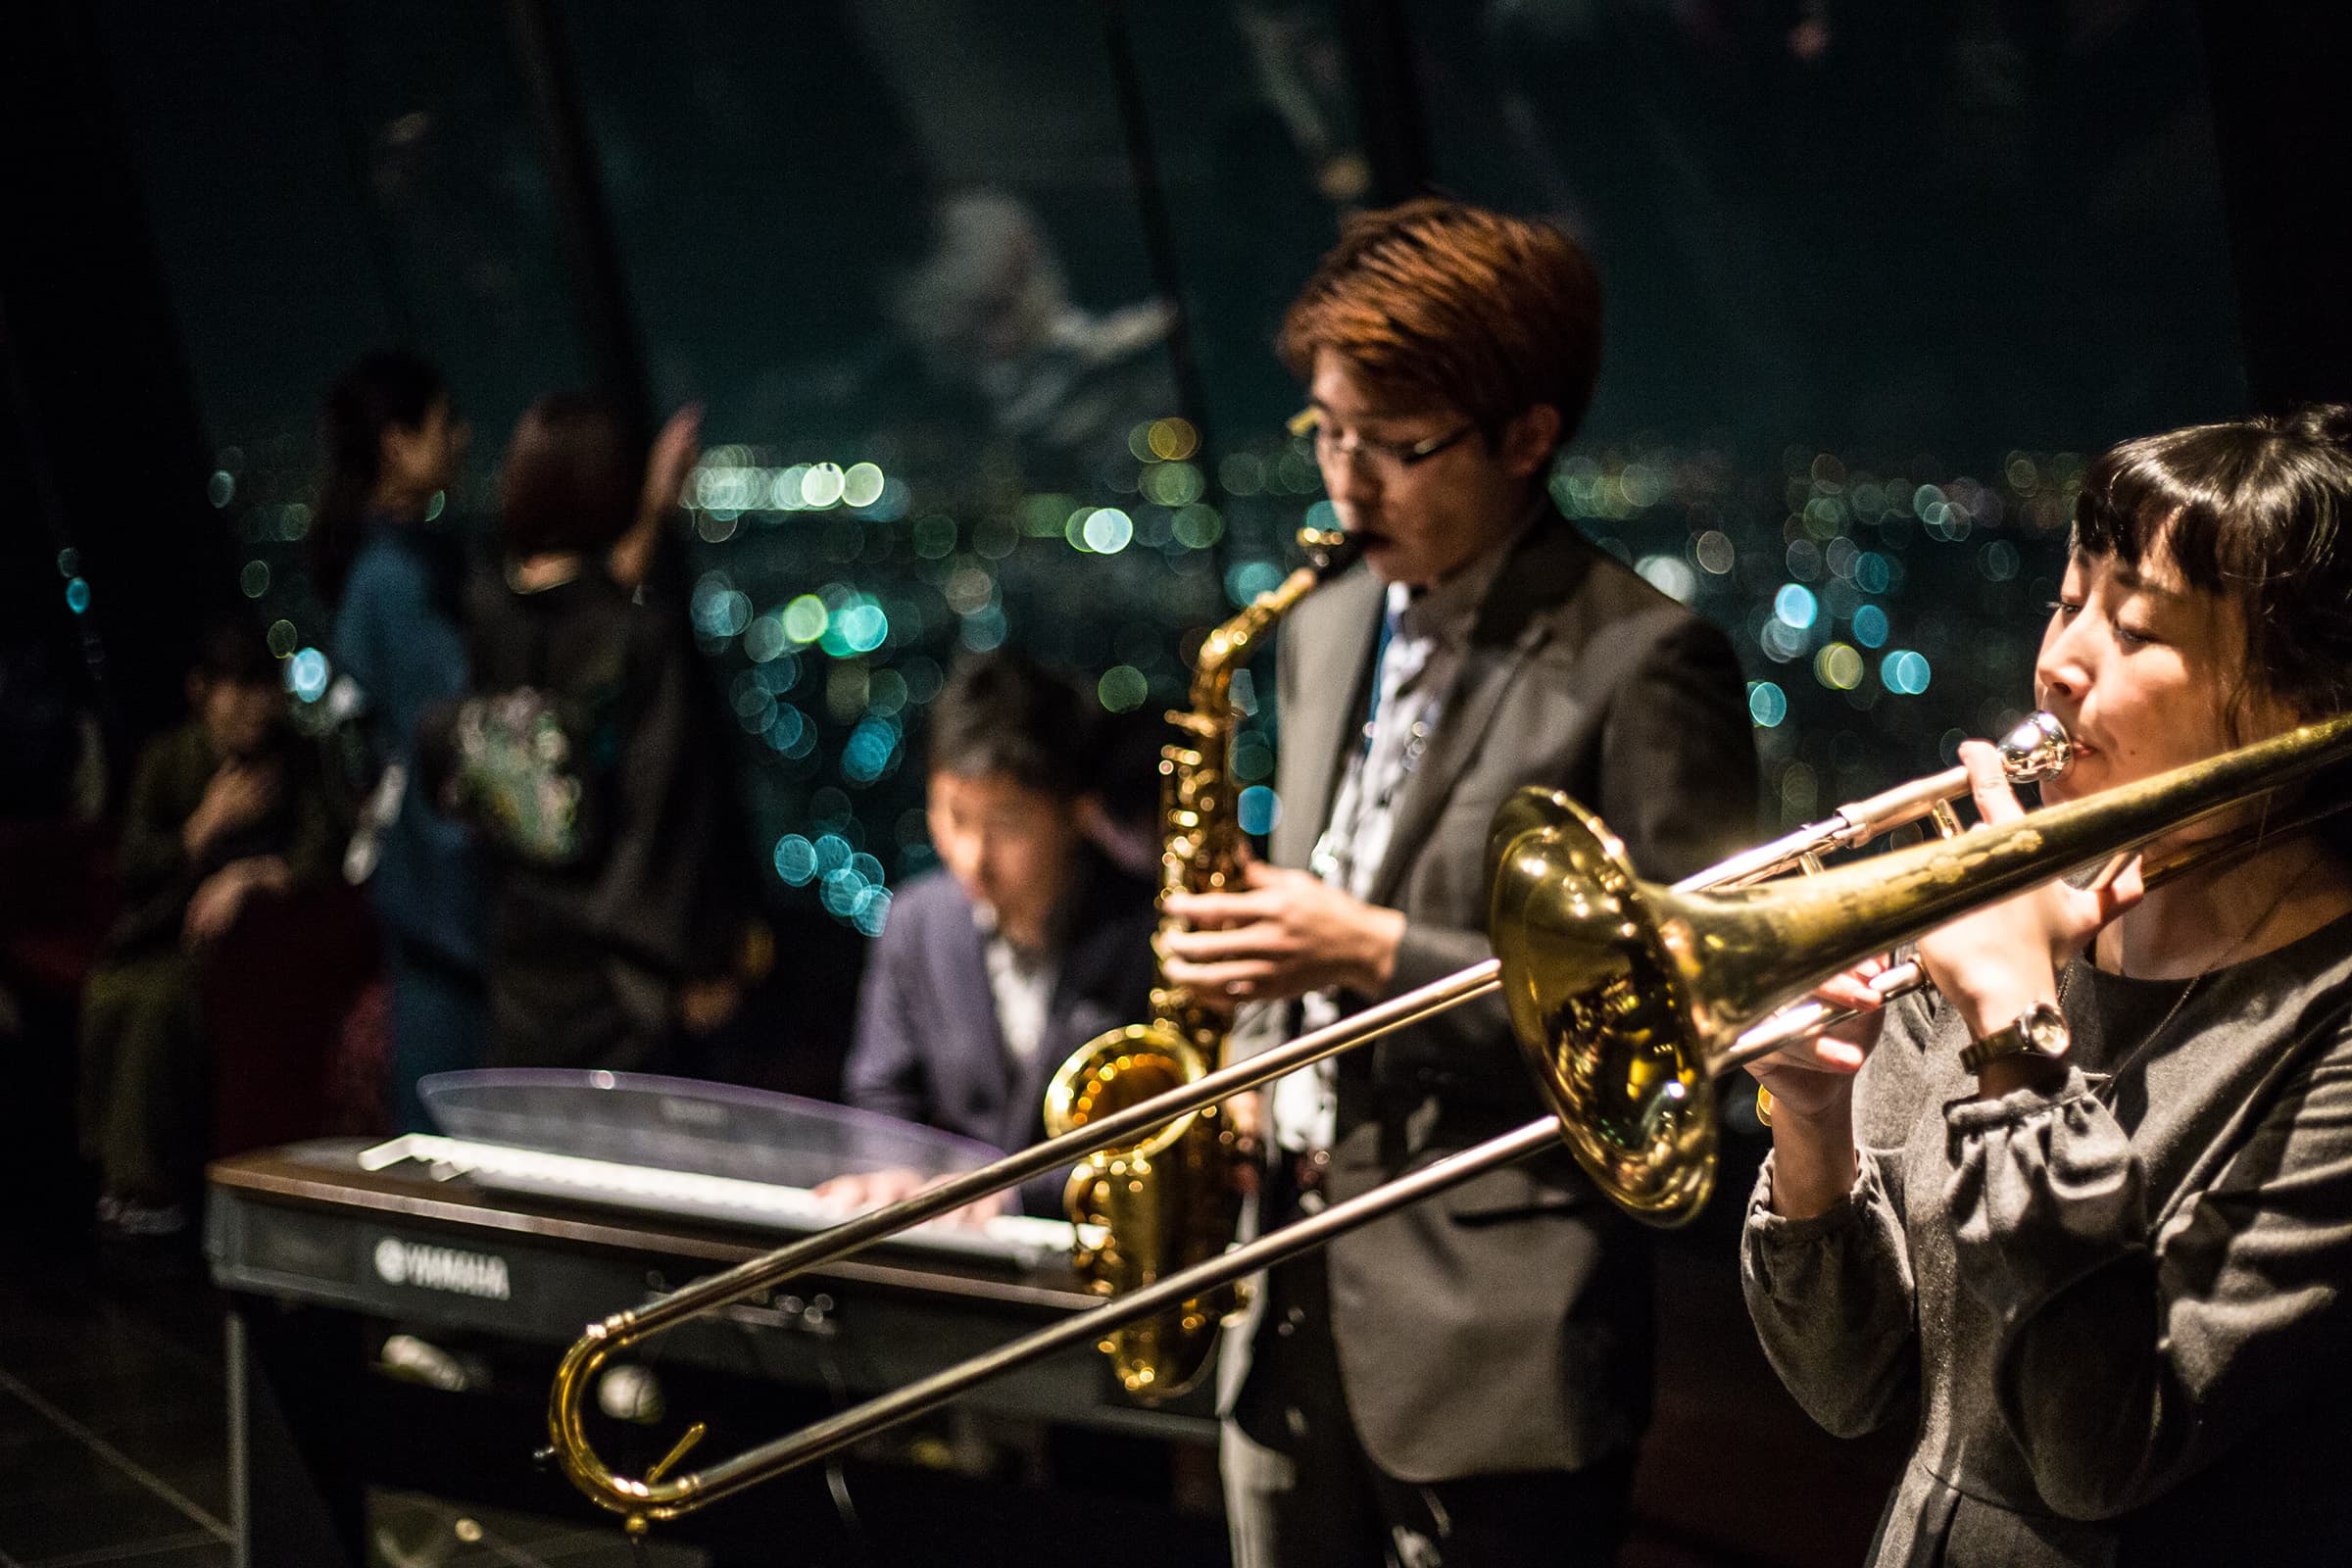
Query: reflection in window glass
{"x": 899, "y": 252}
{"x": 1880, "y": 280}
{"x": 378, "y": 181}
{"x": 1249, "y": 112}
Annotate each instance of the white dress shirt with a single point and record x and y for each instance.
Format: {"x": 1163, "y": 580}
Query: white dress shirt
{"x": 1426, "y": 636}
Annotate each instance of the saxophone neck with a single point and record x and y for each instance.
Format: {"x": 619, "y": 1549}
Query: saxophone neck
{"x": 1231, "y": 646}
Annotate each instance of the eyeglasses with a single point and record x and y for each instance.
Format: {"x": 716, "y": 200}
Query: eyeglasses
{"x": 1393, "y": 456}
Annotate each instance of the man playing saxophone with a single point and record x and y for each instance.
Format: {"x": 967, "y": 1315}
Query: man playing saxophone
{"x": 1463, "y": 1382}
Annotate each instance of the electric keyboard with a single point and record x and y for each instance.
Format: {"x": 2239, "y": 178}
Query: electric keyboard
{"x": 325, "y": 1247}
{"x": 1024, "y": 1240}
{"x": 419, "y": 1232}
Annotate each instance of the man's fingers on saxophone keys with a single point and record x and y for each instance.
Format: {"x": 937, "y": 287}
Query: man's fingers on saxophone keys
{"x": 1238, "y": 979}
{"x": 1260, "y": 939}
{"x": 1215, "y": 911}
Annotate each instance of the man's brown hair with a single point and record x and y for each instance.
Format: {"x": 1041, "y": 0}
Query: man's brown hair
{"x": 1439, "y": 302}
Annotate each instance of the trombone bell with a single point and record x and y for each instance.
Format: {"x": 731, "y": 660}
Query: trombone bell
{"x": 1599, "y": 1007}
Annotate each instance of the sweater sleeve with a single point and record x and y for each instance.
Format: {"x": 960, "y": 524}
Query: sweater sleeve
{"x": 2131, "y": 1356}
{"x": 1832, "y": 1300}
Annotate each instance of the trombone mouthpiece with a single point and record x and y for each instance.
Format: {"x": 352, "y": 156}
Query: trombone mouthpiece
{"x": 2035, "y": 748}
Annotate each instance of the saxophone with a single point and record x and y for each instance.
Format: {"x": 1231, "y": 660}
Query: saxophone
{"x": 1170, "y": 1200}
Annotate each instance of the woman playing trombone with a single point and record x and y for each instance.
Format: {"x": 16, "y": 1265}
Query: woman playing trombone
{"x": 2092, "y": 1210}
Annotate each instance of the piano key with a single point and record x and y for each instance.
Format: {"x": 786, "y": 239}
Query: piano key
{"x": 1023, "y": 1239}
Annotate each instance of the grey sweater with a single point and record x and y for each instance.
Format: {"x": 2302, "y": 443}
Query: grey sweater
{"x": 2122, "y": 1311}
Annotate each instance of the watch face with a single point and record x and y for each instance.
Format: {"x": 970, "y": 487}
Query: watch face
{"x": 2044, "y": 1029}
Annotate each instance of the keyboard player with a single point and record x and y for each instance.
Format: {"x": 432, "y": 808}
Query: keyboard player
{"x": 1025, "y": 944}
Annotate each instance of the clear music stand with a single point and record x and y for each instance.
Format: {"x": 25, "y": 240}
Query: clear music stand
{"x": 683, "y": 1124}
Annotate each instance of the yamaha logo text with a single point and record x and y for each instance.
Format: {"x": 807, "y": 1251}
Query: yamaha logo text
{"x": 442, "y": 1268}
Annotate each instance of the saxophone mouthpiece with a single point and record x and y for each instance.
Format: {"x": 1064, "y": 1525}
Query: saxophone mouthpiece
{"x": 1331, "y": 549}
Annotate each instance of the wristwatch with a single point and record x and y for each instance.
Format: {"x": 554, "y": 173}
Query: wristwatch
{"x": 2039, "y": 1031}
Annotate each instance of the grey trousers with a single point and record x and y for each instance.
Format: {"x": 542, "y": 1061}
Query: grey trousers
{"x": 1302, "y": 1492}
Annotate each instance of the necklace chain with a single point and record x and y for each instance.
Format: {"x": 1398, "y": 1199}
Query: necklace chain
{"x": 2148, "y": 1040}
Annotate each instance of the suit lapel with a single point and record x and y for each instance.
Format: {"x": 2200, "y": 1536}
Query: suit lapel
{"x": 1321, "y": 725}
{"x": 1544, "y": 572}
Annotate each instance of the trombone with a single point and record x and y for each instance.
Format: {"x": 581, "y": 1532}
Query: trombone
{"x": 1628, "y": 998}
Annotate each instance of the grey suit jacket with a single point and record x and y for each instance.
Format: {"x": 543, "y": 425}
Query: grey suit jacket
{"x": 1503, "y": 1326}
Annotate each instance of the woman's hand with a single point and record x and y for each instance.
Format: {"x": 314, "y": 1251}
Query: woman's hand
{"x": 218, "y": 899}
{"x": 1997, "y": 962}
{"x": 675, "y": 452}
{"x": 1812, "y": 1085}
{"x": 239, "y": 795}
{"x": 1812, "y": 1080}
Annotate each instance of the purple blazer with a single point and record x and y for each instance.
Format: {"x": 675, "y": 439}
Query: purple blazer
{"x": 928, "y": 1049}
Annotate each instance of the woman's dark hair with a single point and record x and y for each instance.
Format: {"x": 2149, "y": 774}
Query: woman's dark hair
{"x": 2251, "y": 511}
{"x": 574, "y": 477}
{"x": 1005, "y": 712}
{"x": 383, "y": 390}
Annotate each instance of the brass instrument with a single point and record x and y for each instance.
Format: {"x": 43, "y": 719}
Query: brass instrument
{"x": 1628, "y": 999}
{"x": 1170, "y": 1200}
{"x": 1801, "y": 1020}
{"x": 2035, "y": 748}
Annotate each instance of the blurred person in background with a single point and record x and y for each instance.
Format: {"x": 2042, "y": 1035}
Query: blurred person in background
{"x": 225, "y": 809}
{"x": 611, "y": 950}
{"x": 991, "y": 313}
{"x": 396, "y": 578}
{"x": 1028, "y": 941}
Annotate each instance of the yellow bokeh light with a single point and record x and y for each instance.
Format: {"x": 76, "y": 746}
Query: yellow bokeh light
{"x": 1173, "y": 440}
{"x": 1839, "y": 667}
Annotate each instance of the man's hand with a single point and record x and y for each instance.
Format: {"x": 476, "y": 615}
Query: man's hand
{"x": 878, "y": 1189}
{"x": 240, "y": 793}
{"x": 860, "y": 1191}
{"x": 221, "y": 898}
{"x": 1284, "y": 934}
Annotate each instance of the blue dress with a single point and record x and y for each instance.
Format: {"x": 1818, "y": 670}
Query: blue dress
{"x": 398, "y": 636}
